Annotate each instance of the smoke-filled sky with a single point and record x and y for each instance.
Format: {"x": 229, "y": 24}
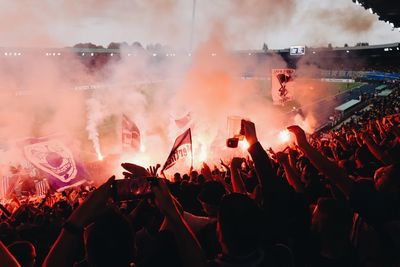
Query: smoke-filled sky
{"x": 249, "y": 23}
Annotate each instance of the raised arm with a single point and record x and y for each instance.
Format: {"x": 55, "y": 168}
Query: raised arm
{"x": 343, "y": 142}
{"x": 377, "y": 151}
{"x": 189, "y": 248}
{"x": 6, "y": 258}
{"x": 358, "y": 138}
{"x": 291, "y": 175}
{"x": 237, "y": 181}
{"x": 274, "y": 190}
{"x": 332, "y": 171}
{"x": 63, "y": 250}
{"x": 266, "y": 175}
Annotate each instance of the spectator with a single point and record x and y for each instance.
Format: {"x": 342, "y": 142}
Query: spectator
{"x": 24, "y": 252}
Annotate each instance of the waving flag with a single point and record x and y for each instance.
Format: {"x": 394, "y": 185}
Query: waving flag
{"x": 41, "y": 187}
{"x": 55, "y": 160}
{"x": 130, "y": 135}
{"x": 181, "y": 153}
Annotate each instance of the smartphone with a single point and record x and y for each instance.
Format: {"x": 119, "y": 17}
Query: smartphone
{"x": 133, "y": 188}
{"x": 232, "y": 142}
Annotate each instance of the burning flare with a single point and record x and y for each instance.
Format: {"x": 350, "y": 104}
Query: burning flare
{"x": 284, "y": 136}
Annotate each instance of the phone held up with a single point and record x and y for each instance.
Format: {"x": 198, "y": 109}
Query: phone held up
{"x": 133, "y": 188}
{"x": 233, "y": 142}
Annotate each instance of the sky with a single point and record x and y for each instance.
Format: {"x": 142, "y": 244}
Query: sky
{"x": 243, "y": 24}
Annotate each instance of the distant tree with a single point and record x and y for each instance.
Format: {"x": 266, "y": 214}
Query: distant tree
{"x": 330, "y": 46}
{"x": 346, "y": 45}
{"x": 114, "y": 45}
{"x": 123, "y": 44}
{"x": 158, "y": 47}
{"x": 150, "y": 47}
{"x": 87, "y": 45}
{"x": 265, "y": 47}
{"x": 137, "y": 45}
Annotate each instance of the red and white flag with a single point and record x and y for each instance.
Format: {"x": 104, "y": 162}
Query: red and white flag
{"x": 130, "y": 135}
{"x": 181, "y": 155}
{"x": 42, "y": 187}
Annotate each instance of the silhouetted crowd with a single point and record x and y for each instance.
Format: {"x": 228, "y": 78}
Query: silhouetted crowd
{"x": 331, "y": 199}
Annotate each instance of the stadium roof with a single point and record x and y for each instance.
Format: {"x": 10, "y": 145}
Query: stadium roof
{"x": 387, "y": 10}
{"x": 384, "y": 93}
{"x": 347, "y": 105}
{"x": 51, "y": 51}
{"x": 382, "y": 46}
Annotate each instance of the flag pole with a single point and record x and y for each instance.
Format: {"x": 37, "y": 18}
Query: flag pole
{"x": 191, "y": 149}
{"x": 192, "y": 28}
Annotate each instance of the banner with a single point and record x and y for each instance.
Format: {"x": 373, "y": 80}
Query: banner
{"x": 55, "y": 160}
{"x": 181, "y": 153}
{"x": 336, "y": 80}
{"x": 130, "y": 135}
{"x": 282, "y": 85}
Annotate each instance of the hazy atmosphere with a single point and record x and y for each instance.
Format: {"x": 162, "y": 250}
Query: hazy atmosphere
{"x": 248, "y": 24}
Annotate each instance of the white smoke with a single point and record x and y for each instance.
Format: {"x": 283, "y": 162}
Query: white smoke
{"x": 94, "y": 117}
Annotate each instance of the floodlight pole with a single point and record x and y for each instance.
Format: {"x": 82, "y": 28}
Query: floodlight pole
{"x": 192, "y": 29}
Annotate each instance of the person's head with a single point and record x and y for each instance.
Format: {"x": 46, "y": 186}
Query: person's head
{"x": 193, "y": 176}
{"x": 215, "y": 171}
{"x": 352, "y": 139}
{"x": 210, "y": 197}
{"x": 387, "y": 179}
{"x": 63, "y": 209}
{"x": 309, "y": 173}
{"x": 185, "y": 177}
{"x": 327, "y": 151}
{"x": 362, "y": 156}
{"x": 110, "y": 241}
{"x": 239, "y": 225}
{"x": 177, "y": 177}
{"x": 331, "y": 220}
{"x": 348, "y": 165}
{"x": 24, "y": 252}
{"x": 302, "y": 162}
{"x": 201, "y": 179}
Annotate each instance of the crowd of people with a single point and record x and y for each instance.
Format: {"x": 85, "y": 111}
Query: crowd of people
{"x": 330, "y": 199}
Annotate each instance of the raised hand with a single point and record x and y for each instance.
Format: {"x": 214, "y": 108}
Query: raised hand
{"x": 300, "y": 135}
{"x": 282, "y": 158}
{"x": 134, "y": 170}
{"x": 164, "y": 199}
{"x": 223, "y": 163}
{"x": 206, "y": 171}
{"x": 365, "y": 136}
{"x": 249, "y": 131}
{"x": 153, "y": 170}
{"x": 271, "y": 151}
{"x": 236, "y": 163}
{"x": 93, "y": 205}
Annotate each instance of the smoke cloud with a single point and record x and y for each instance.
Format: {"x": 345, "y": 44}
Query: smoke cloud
{"x": 37, "y": 95}
{"x": 248, "y": 23}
